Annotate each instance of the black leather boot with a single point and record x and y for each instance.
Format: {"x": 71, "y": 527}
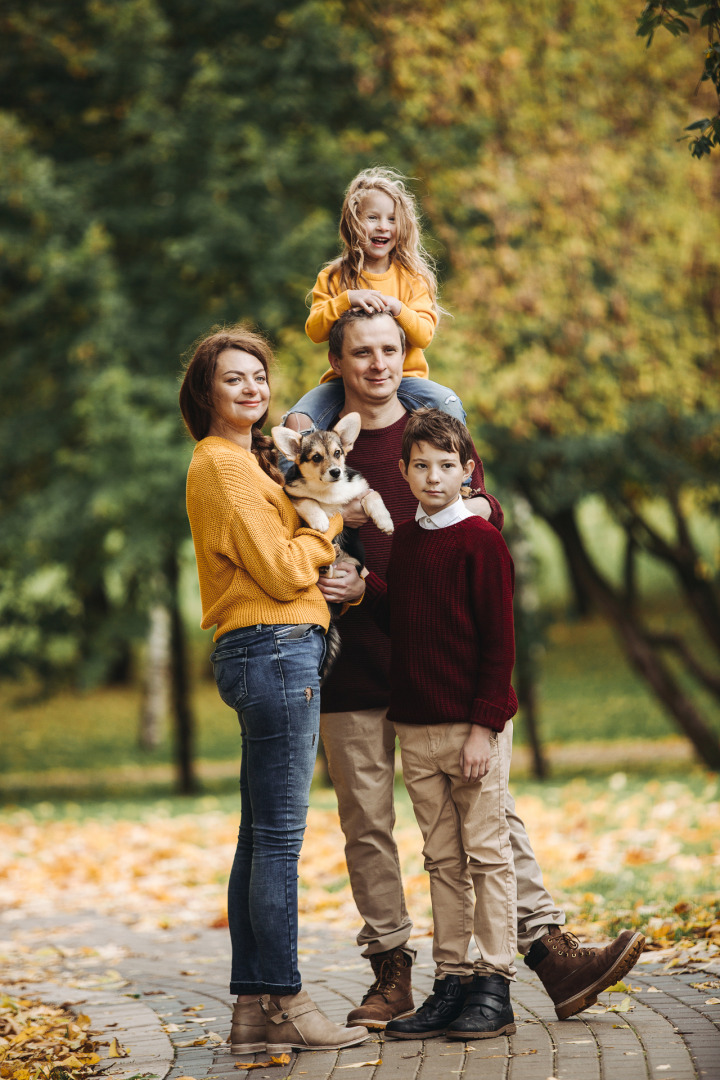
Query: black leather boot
{"x": 435, "y": 1014}
{"x": 487, "y": 1010}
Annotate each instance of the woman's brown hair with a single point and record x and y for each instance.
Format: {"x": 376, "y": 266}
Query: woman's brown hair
{"x": 196, "y": 392}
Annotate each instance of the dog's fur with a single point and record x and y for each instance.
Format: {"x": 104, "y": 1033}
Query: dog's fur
{"x": 320, "y": 483}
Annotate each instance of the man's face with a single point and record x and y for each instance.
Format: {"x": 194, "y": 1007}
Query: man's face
{"x": 371, "y": 364}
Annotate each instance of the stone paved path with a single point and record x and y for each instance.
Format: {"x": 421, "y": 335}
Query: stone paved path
{"x": 163, "y": 993}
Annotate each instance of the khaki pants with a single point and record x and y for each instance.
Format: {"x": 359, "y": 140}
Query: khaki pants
{"x": 360, "y": 748}
{"x": 466, "y": 847}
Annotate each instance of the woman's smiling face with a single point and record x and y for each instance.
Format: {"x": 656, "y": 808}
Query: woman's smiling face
{"x": 240, "y": 394}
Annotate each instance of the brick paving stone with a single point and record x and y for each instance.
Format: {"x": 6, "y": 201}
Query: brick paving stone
{"x": 399, "y": 1061}
{"x": 671, "y": 1027}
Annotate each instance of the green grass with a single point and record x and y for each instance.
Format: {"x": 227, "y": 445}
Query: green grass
{"x": 587, "y": 693}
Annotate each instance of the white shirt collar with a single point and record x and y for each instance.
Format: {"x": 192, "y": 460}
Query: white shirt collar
{"x": 450, "y": 515}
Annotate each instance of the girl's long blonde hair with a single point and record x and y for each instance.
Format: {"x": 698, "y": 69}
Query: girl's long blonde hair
{"x": 346, "y": 272}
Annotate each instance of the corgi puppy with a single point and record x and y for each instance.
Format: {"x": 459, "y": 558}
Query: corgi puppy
{"x": 319, "y": 482}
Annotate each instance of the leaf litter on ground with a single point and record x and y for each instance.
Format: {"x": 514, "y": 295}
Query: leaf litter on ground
{"x": 653, "y": 841}
{"x": 44, "y": 1042}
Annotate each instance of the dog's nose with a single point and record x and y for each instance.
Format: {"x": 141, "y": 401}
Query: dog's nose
{"x": 334, "y": 473}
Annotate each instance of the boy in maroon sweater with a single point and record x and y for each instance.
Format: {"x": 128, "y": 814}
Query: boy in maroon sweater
{"x": 447, "y": 606}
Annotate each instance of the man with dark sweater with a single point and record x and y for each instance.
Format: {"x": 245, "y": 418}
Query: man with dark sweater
{"x": 367, "y": 351}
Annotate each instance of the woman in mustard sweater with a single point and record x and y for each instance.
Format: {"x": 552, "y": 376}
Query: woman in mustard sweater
{"x": 258, "y": 569}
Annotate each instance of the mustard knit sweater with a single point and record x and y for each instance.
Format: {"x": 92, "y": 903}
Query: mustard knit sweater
{"x": 256, "y": 563}
{"x": 417, "y": 317}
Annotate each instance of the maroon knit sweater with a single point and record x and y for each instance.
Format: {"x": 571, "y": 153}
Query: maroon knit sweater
{"x": 447, "y": 607}
{"x": 361, "y": 677}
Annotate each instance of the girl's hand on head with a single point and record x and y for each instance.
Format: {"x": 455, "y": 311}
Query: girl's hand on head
{"x": 476, "y": 754}
{"x": 367, "y": 299}
{"x": 392, "y": 304}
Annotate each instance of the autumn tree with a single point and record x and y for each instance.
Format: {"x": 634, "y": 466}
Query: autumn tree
{"x": 168, "y": 167}
{"x": 678, "y": 18}
{"x": 584, "y": 276}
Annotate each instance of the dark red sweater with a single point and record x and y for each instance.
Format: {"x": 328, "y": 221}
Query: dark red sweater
{"x": 447, "y": 607}
{"x": 361, "y": 677}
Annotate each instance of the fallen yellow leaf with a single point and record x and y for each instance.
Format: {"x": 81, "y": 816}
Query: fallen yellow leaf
{"x": 282, "y": 1059}
{"x": 116, "y": 1050}
{"x": 360, "y": 1064}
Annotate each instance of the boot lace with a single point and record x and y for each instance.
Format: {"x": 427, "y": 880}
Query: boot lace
{"x": 568, "y": 945}
{"x": 384, "y": 983}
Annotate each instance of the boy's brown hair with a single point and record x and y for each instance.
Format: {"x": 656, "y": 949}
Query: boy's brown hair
{"x": 440, "y": 430}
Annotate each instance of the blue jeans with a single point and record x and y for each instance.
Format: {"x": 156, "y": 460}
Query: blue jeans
{"x": 271, "y": 680}
{"x": 323, "y": 403}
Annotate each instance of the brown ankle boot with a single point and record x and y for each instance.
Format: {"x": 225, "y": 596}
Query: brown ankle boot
{"x": 247, "y": 1034}
{"x": 574, "y": 976}
{"x": 294, "y": 1022}
{"x": 390, "y": 996}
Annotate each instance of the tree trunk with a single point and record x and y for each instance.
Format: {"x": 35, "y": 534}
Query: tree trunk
{"x": 156, "y": 680}
{"x": 528, "y": 640}
{"x": 181, "y": 705}
{"x": 641, "y": 654}
{"x": 526, "y": 686}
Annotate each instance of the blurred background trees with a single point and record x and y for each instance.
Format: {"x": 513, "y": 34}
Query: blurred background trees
{"x": 169, "y": 166}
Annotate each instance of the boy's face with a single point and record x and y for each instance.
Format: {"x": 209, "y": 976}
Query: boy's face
{"x": 435, "y": 476}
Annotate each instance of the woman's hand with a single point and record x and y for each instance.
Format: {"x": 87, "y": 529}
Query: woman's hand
{"x": 368, "y": 299}
{"x": 353, "y": 514}
{"x": 476, "y": 754}
{"x": 344, "y": 586}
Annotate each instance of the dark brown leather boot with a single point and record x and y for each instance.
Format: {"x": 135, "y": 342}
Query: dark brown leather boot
{"x": 390, "y": 996}
{"x": 573, "y": 975}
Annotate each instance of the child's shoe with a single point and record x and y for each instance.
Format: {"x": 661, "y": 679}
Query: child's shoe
{"x": 487, "y": 1011}
{"x": 574, "y": 976}
{"x": 435, "y": 1014}
{"x": 247, "y": 1033}
{"x": 294, "y": 1022}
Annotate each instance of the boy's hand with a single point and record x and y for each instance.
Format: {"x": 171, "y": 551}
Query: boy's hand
{"x": 367, "y": 299}
{"x": 476, "y": 754}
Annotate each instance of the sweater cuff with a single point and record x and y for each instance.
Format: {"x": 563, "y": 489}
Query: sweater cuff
{"x": 488, "y": 715}
{"x": 374, "y": 586}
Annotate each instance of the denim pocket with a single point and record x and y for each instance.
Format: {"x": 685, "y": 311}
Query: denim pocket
{"x": 283, "y": 633}
{"x": 229, "y": 667}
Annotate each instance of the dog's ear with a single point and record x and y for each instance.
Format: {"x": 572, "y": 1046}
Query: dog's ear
{"x": 287, "y": 441}
{"x": 348, "y": 429}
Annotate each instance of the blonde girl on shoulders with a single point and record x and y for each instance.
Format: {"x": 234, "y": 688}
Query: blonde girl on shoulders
{"x": 383, "y": 267}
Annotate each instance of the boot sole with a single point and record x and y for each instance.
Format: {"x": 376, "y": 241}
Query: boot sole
{"x": 587, "y": 997}
{"x": 508, "y": 1029}
{"x": 378, "y": 1025}
{"x": 247, "y": 1048}
{"x": 286, "y": 1048}
{"x": 415, "y": 1034}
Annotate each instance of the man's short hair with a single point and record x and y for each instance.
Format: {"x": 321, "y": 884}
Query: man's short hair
{"x": 440, "y": 430}
{"x": 337, "y": 330}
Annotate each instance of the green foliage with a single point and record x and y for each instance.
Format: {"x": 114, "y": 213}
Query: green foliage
{"x": 672, "y": 15}
{"x": 166, "y": 167}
